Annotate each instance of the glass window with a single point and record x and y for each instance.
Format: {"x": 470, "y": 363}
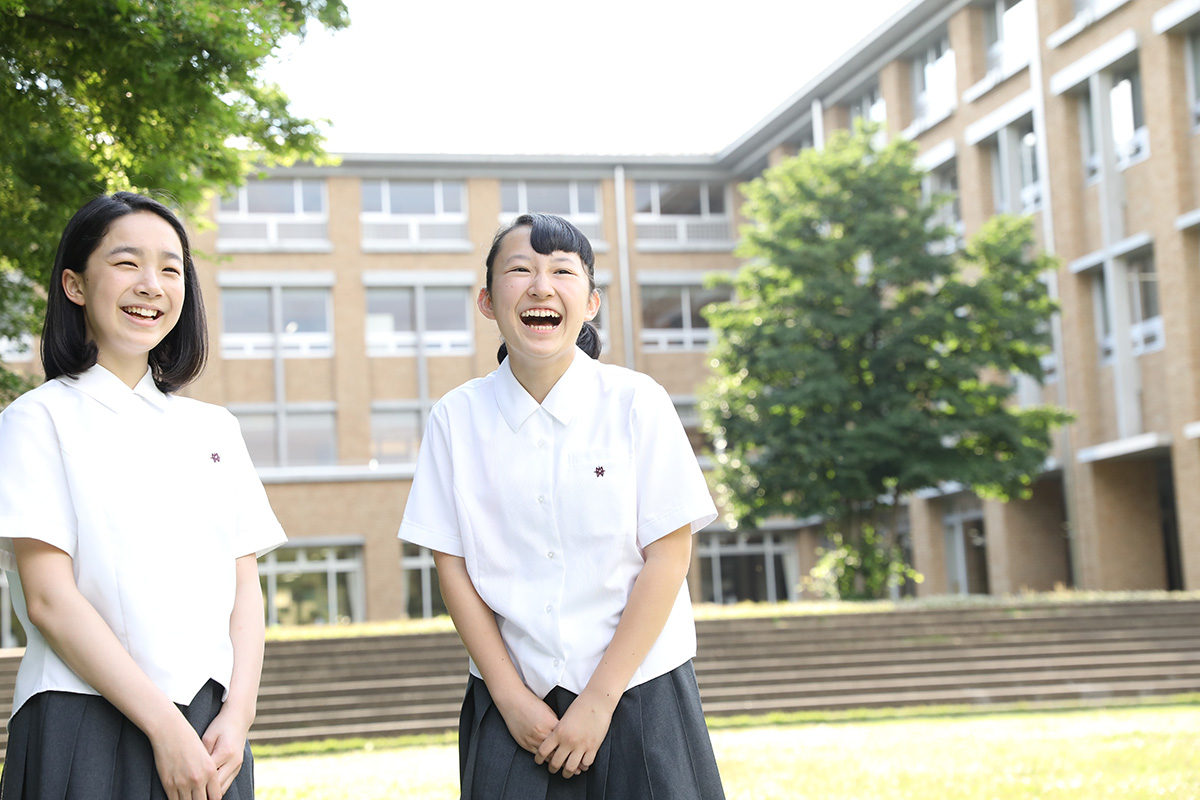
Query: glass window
{"x": 392, "y": 322}
{"x": 716, "y": 198}
{"x": 412, "y": 197}
{"x": 1193, "y": 57}
{"x": 313, "y": 585}
{"x": 564, "y": 198}
{"x": 248, "y": 327}
{"x": 446, "y": 308}
{"x": 305, "y": 310}
{"x": 259, "y": 432}
{"x": 549, "y": 197}
{"x": 311, "y": 438}
{"x": 1009, "y": 33}
{"x": 1143, "y": 288}
{"x": 662, "y": 307}
{"x": 390, "y": 309}
{"x": 587, "y": 191}
{"x": 452, "y": 197}
{"x": 271, "y": 197}
{"x": 1087, "y": 135}
{"x": 672, "y": 315}
{"x": 1128, "y": 121}
{"x": 1031, "y": 188}
{"x": 245, "y": 310}
{"x": 699, "y": 298}
{"x": 510, "y": 197}
{"x": 372, "y": 196}
{"x": 395, "y": 435}
{"x": 679, "y": 198}
{"x": 310, "y": 193}
{"x": 424, "y": 591}
{"x": 737, "y": 567}
{"x": 643, "y": 196}
{"x": 934, "y": 90}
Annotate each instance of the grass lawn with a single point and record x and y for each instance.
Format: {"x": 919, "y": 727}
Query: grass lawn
{"x": 1126, "y": 753}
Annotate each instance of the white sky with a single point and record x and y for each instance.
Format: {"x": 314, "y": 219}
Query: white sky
{"x": 563, "y": 76}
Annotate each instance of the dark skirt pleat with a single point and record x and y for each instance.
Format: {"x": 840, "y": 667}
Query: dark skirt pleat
{"x": 66, "y": 746}
{"x": 657, "y": 748}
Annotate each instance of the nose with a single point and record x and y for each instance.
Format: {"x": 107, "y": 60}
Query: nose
{"x": 541, "y": 286}
{"x": 148, "y": 284}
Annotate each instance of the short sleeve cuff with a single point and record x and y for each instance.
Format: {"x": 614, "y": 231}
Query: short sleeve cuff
{"x": 8, "y": 555}
{"x": 697, "y": 518}
{"x": 424, "y": 537}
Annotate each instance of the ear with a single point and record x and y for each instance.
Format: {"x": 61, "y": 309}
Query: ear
{"x": 593, "y": 306}
{"x": 72, "y": 284}
{"x": 484, "y": 301}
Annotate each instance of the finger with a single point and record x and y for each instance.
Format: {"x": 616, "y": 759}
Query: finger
{"x": 542, "y": 753}
{"x": 560, "y": 758}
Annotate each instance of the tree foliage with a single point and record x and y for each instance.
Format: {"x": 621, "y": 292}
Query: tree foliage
{"x": 861, "y": 359}
{"x": 101, "y": 95}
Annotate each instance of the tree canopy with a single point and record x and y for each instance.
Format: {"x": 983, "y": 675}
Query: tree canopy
{"x": 101, "y": 95}
{"x": 861, "y": 358}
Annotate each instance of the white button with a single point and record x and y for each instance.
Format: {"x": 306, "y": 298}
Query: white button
{"x": 549, "y": 609}
{"x": 541, "y": 444}
{"x": 556, "y": 662}
{"x": 550, "y": 554}
{"x": 542, "y": 499}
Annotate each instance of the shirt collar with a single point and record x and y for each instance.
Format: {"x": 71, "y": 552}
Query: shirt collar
{"x": 111, "y": 392}
{"x": 517, "y": 405}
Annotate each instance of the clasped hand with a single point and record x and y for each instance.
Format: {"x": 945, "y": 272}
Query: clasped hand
{"x": 569, "y": 744}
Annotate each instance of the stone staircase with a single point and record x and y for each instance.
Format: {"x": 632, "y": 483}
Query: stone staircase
{"x": 925, "y": 655}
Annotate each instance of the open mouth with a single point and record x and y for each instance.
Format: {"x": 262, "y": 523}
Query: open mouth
{"x": 541, "y": 319}
{"x": 142, "y": 313}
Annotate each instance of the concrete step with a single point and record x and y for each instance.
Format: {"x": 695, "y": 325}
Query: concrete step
{"x": 994, "y": 653}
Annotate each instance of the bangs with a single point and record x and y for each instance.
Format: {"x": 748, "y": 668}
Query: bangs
{"x": 548, "y": 234}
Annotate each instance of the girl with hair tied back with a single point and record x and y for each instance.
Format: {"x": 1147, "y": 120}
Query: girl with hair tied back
{"x": 559, "y": 496}
{"x": 131, "y": 520}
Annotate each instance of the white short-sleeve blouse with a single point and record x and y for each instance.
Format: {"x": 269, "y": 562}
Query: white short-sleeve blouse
{"x": 551, "y": 506}
{"x": 154, "y": 498}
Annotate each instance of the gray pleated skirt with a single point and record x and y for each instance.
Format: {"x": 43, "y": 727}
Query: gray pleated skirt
{"x": 657, "y": 747}
{"x": 67, "y": 746}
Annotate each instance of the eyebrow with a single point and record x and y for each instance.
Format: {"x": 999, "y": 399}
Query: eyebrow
{"x": 139, "y": 252}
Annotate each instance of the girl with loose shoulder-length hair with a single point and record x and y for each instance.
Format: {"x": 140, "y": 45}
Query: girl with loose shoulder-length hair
{"x": 131, "y": 521}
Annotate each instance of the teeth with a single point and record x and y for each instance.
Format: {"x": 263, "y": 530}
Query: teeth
{"x": 141, "y": 312}
{"x": 541, "y": 312}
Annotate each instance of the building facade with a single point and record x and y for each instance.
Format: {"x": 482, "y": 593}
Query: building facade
{"x": 341, "y": 303}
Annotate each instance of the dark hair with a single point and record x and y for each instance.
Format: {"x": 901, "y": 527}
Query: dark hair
{"x": 179, "y": 358}
{"x": 549, "y": 234}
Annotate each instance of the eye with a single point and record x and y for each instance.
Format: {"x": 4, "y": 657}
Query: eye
{"x": 175, "y": 270}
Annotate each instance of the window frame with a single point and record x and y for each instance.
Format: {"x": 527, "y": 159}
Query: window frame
{"x": 688, "y": 228}
{"x": 270, "y": 569}
{"x": 674, "y": 340}
{"x": 265, "y": 344}
{"x": 415, "y": 223}
{"x": 406, "y": 343}
{"x": 280, "y": 430}
{"x": 926, "y": 114}
{"x": 273, "y": 241}
{"x": 590, "y": 223}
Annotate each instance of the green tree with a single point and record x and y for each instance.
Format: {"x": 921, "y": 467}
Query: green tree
{"x": 861, "y": 360}
{"x": 101, "y": 95}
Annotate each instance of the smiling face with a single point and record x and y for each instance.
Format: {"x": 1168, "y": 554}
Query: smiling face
{"x": 131, "y": 291}
{"x": 539, "y": 302}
